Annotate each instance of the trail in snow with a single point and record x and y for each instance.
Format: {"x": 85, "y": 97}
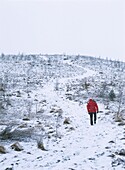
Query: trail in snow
{"x": 84, "y": 148}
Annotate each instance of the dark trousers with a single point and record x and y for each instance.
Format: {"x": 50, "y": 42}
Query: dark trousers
{"x": 93, "y": 116}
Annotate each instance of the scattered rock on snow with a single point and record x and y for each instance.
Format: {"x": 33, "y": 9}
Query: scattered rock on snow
{"x": 111, "y": 141}
{"x": 121, "y": 124}
{"x": 101, "y": 154}
{"x": 9, "y": 169}
{"x": 122, "y": 138}
{"x": 91, "y": 159}
{"x": 26, "y": 118}
{"x": 117, "y": 162}
{"x": 72, "y": 128}
{"x": 121, "y": 152}
{"x": 41, "y": 145}
{"x": 107, "y": 113}
{"x": 107, "y": 147}
{"x": 112, "y": 155}
{"x": 16, "y": 146}
{"x": 2, "y": 149}
{"x": 58, "y": 161}
{"x": 66, "y": 121}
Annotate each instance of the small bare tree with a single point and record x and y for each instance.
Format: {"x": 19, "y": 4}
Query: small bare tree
{"x": 120, "y": 101}
{"x": 59, "y": 115}
{"x": 120, "y": 97}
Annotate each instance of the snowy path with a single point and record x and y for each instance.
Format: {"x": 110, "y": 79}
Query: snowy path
{"x": 85, "y": 147}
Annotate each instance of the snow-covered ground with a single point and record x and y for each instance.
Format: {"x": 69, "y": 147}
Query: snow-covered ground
{"x": 77, "y": 145}
{"x": 82, "y": 147}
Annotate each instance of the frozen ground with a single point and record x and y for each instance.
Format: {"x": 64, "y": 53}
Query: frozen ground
{"x": 78, "y": 145}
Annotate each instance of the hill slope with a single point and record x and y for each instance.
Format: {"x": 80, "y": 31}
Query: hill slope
{"x": 55, "y": 108}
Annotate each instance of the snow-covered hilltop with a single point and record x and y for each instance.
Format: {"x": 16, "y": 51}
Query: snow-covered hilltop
{"x": 44, "y": 124}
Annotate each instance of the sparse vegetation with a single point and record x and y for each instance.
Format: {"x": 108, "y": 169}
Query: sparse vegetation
{"x": 38, "y": 92}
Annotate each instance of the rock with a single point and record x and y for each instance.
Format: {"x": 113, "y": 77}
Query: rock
{"x": 117, "y": 162}
{"x": 112, "y": 155}
{"x": 9, "y": 169}
{"x": 121, "y": 124}
{"x": 39, "y": 157}
{"x": 100, "y": 154}
{"x": 111, "y": 141}
{"x": 72, "y": 128}
{"x": 107, "y": 113}
{"x": 41, "y": 145}
{"x": 107, "y": 147}
{"x": 17, "y": 147}
{"x": 122, "y": 139}
{"x": 26, "y": 118}
{"x": 121, "y": 152}
{"x": 2, "y": 149}
{"x": 91, "y": 159}
{"x": 58, "y": 161}
{"x": 51, "y": 131}
{"x": 66, "y": 121}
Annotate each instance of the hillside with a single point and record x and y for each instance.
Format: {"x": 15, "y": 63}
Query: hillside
{"x": 43, "y": 107}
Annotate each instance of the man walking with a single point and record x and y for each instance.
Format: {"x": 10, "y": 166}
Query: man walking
{"x": 92, "y": 108}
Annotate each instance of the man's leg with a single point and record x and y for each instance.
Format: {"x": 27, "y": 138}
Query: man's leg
{"x": 91, "y": 118}
{"x": 95, "y": 117}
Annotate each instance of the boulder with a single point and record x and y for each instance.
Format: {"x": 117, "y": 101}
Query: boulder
{"x": 41, "y": 145}
{"x": 2, "y": 149}
{"x": 16, "y": 146}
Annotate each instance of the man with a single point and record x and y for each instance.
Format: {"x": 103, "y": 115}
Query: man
{"x": 92, "y": 108}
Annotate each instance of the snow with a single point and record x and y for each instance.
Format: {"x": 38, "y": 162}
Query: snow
{"x": 79, "y": 145}
{"x": 84, "y": 148}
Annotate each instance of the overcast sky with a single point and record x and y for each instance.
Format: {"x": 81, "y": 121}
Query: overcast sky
{"x": 86, "y": 27}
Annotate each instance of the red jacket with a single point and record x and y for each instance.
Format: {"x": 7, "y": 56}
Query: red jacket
{"x": 92, "y": 106}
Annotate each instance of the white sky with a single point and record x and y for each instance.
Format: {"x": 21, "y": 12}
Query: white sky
{"x": 86, "y": 27}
